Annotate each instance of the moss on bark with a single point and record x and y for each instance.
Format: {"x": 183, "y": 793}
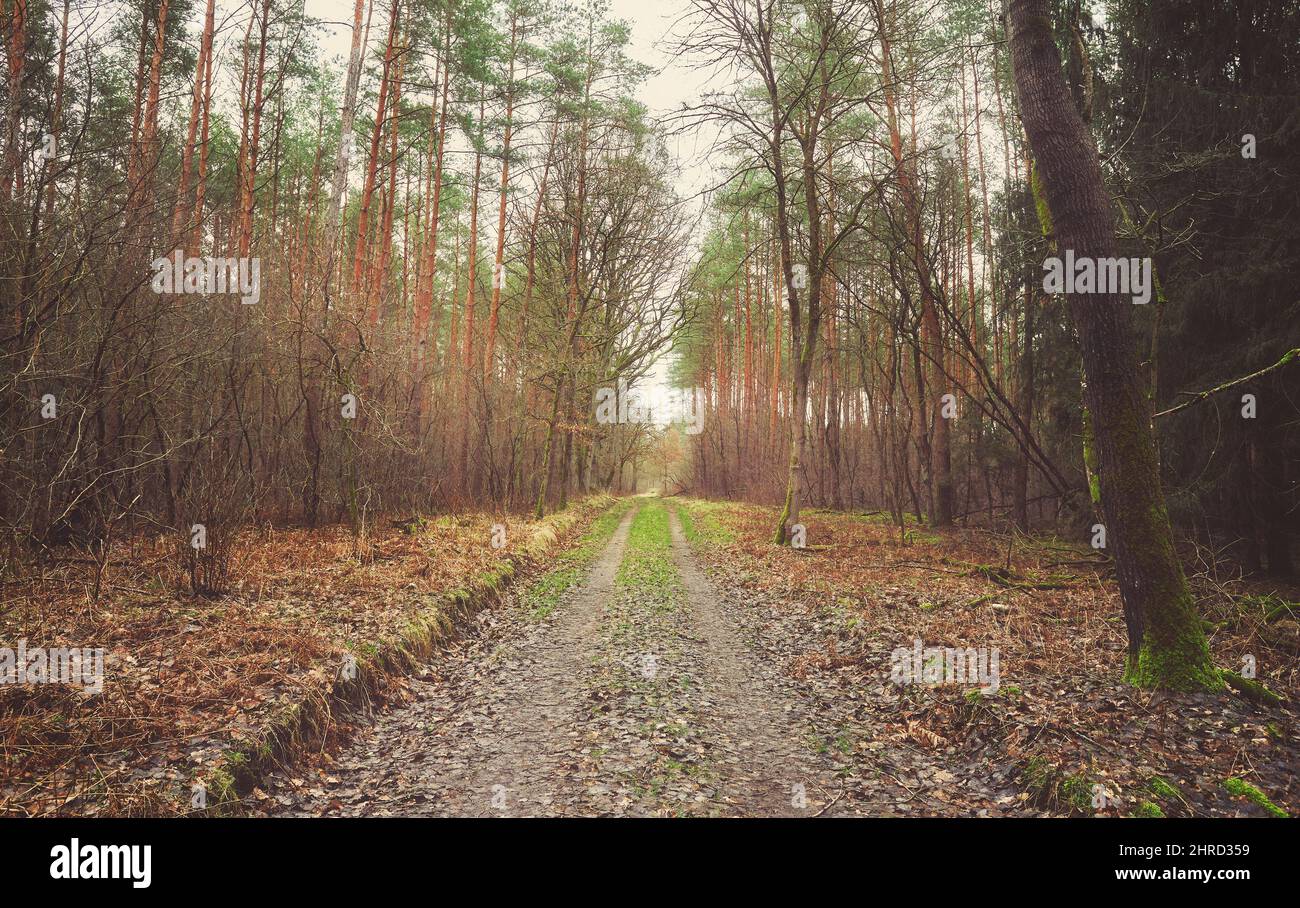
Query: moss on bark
{"x": 1251, "y": 690}
{"x": 1174, "y": 654}
{"x": 1090, "y": 462}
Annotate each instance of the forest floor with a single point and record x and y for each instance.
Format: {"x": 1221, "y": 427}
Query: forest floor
{"x": 635, "y": 694}
{"x": 692, "y": 668}
{"x": 193, "y": 684}
{"x": 652, "y": 657}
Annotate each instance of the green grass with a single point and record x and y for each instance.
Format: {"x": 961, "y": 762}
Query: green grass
{"x": 1055, "y": 789}
{"x": 1272, "y": 606}
{"x": 1076, "y": 790}
{"x": 1164, "y": 789}
{"x": 544, "y": 595}
{"x": 648, "y": 562}
{"x": 700, "y": 523}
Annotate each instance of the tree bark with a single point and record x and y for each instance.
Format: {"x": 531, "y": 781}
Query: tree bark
{"x": 1167, "y": 646}
{"x": 498, "y": 266}
{"x": 367, "y": 193}
{"x": 940, "y": 460}
{"x": 347, "y": 114}
{"x": 424, "y": 297}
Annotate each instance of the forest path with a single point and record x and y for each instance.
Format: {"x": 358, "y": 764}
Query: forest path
{"x": 645, "y": 692}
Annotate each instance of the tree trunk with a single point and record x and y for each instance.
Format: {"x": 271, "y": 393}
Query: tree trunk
{"x": 201, "y": 179}
{"x": 56, "y": 118}
{"x": 424, "y": 297}
{"x": 249, "y": 172}
{"x": 379, "y": 269}
{"x": 196, "y": 108}
{"x": 940, "y": 459}
{"x": 17, "y": 55}
{"x": 368, "y": 191}
{"x": 347, "y": 113}
{"x": 1167, "y": 646}
{"x": 498, "y": 267}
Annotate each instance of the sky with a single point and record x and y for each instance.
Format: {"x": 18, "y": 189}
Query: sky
{"x": 652, "y": 22}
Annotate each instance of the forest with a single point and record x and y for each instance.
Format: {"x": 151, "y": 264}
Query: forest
{"x": 829, "y": 407}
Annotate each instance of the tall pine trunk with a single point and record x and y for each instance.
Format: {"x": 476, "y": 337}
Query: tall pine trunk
{"x": 940, "y": 460}
{"x": 498, "y": 266}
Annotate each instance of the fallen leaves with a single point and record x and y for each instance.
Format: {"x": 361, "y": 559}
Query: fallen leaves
{"x": 838, "y": 610}
{"x": 187, "y": 677}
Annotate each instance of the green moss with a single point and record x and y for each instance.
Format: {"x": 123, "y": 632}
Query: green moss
{"x": 782, "y": 535}
{"x": 1172, "y": 669}
{"x": 1240, "y": 788}
{"x": 1040, "y": 201}
{"x": 1163, "y": 788}
{"x": 1090, "y": 461}
{"x": 1148, "y": 810}
{"x": 1174, "y": 654}
{"x": 1251, "y": 690}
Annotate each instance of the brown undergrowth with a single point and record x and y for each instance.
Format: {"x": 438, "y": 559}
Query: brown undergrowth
{"x": 215, "y": 690}
{"x": 1063, "y": 727}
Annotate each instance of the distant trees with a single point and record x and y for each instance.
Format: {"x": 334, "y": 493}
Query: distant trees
{"x": 941, "y": 380}
{"x": 406, "y": 351}
{"x": 809, "y": 74}
{"x": 1194, "y": 100}
{"x": 945, "y": 379}
{"x": 886, "y": 318}
{"x": 469, "y": 228}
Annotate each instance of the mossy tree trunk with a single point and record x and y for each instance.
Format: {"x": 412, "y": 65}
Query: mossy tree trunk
{"x": 1167, "y": 646}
